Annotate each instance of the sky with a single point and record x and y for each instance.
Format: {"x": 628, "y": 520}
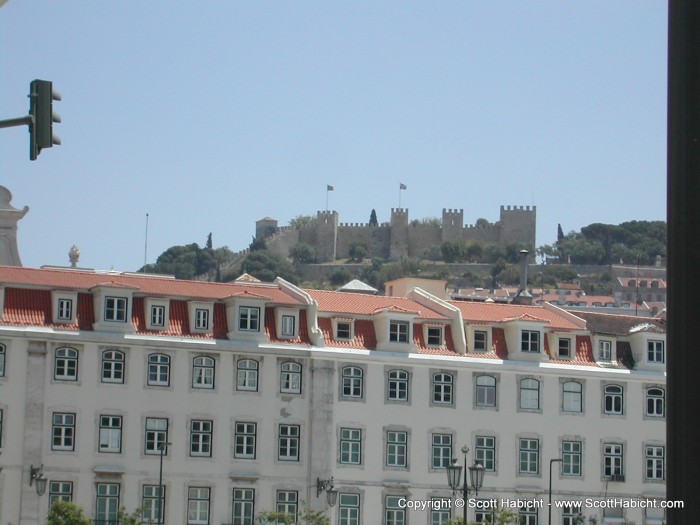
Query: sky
{"x": 182, "y": 118}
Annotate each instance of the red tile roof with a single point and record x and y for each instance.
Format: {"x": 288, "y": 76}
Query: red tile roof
{"x": 362, "y": 304}
{"x": 499, "y": 313}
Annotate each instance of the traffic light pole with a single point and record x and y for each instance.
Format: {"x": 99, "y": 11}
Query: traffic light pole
{"x": 14, "y": 122}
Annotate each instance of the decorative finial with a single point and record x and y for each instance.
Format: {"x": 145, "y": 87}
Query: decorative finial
{"x": 73, "y": 256}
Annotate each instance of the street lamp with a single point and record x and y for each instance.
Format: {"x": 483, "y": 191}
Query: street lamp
{"x": 327, "y": 486}
{"x": 162, "y": 447}
{"x": 476, "y": 477}
{"x": 551, "y": 461}
{"x": 36, "y": 476}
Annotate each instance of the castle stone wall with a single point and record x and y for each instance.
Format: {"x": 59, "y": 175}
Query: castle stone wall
{"x": 518, "y": 224}
{"x": 377, "y": 239}
{"x": 421, "y": 237}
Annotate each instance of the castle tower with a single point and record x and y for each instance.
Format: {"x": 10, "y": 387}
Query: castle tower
{"x": 9, "y": 217}
{"x": 519, "y": 224}
{"x": 398, "y": 245}
{"x": 265, "y": 227}
{"x": 326, "y": 235}
{"x": 452, "y": 224}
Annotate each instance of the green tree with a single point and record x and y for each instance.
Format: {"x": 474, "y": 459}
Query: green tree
{"x": 257, "y": 244}
{"x": 135, "y": 518}
{"x": 358, "y": 251}
{"x": 373, "y": 219}
{"x": 268, "y": 517}
{"x": 265, "y": 266}
{"x": 339, "y": 277}
{"x": 302, "y": 253}
{"x": 209, "y": 245}
{"x": 302, "y": 221}
{"x": 67, "y": 513}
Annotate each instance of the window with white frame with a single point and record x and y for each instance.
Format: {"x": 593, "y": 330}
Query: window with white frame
{"x": 198, "y": 506}
{"x": 156, "y": 435}
{"x": 570, "y": 516}
{"x": 529, "y": 451}
{"x": 529, "y": 394}
{"x": 288, "y": 503}
{"x": 605, "y": 350}
{"x": 62, "y": 431}
{"x": 288, "y": 326}
{"x": 110, "y": 434}
{"x": 158, "y": 315}
{"x": 288, "y": 443}
{"x": 200, "y": 438}
{"x": 397, "y": 385}
{"x": 655, "y": 352}
{"x": 290, "y": 378}
{"x": 113, "y": 366}
{"x": 485, "y": 391}
{"x": 571, "y": 454}
{"x": 528, "y": 516}
{"x": 394, "y": 511}
{"x": 613, "y": 399}
{"x": 398, "y": 331}
{"x": 480, "y": 340}
{"x": 654, "y": 456}
{"x": 343, "y": 330}
{"x": 572, "y": 396}
{"x": 203, "y": 372}
{"x": 442, "y": 388}
{"x": 353, "y": 382}
{"x": 60, "y": 491}
{"x": 201, "y": 319}
{"x": 348, "y": 509}
{"x": 396, "y": 449}
{"x": 246, "y": 438}
{"x": 434, "y": 336}
{"x": 66, "y": 364}
{"x": 485, "y": 452}
{"x": 351, "y": 446}
{"x": 152, "y": 503}
{"x": 656, "y": 403}
{"x": 3, "y": 353}
{"x": 243, "y": 506}
{"x": 440, "y": 513}
{"x": 247, "y": 375}
{"x": 530, "y": 341}
{"x": 564, "y": 347}
{"x": 442, "y": 451}
{"x": 249, "y": 319}
{"x": 613, "y": 464}
{"x": 107, "y": 504}
{"x": 115, "y": 309}
{"x": 483, "y": 517}
{"x": 64, "y": 311}
{"x": 158, "y": 370}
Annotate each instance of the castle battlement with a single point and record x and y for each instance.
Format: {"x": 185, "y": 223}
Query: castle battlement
{"x": 354, "y": 225}
{"x": 399, "y": 211}
{"x": 450, "y": 211}
{"x": 518, "y": 208}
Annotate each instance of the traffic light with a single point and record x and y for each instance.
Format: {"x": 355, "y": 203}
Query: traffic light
{"x": 41, "y": 97}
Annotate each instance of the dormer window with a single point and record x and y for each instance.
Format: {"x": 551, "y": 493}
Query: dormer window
{"x": 249, "y": 319}
{"x": 342, "y": 329}
{"x": 564, "y": 348}
{"x": 605, "y": 350}
{"x": 398, "y": 331}
{"x": 288, "y": 325}
{"x": 655, "y": 352}
{"x": 287, "y": 322}
{"x": 115, "y": 309}
{"x": 480, "y": 340}
{"x": 64, "y": 307}
{"x": 433, "y": 335}
{"x": 201, "y": 317}
{"x": 530, "y": 341}
{"x": 157, "y": 313}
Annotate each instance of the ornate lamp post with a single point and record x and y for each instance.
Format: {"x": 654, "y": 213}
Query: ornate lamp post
{"x": 476, "y": 477}
{"x": 36, "y": 476}
{"x": 163, "y": 447}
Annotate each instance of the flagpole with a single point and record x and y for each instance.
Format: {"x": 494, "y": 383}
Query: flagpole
{"x": 326, "y": 197}
{"x": 145, "y": 248}
{"x": 399, "y": 196}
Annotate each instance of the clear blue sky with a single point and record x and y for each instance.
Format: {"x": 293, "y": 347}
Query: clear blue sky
{"x": 211, "y": 115}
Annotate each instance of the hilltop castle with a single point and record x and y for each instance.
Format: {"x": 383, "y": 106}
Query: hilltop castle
{"x": 399, "y": 237}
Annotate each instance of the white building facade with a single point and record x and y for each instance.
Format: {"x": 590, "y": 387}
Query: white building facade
{"x": 261, "y": 390}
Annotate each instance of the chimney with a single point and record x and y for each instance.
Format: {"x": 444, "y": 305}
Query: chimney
{"x": 523, "y": 296}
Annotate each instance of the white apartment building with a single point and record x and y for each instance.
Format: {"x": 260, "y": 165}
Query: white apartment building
{"x": 261, "y": 390}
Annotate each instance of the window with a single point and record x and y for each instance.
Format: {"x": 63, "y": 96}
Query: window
{"x": 564, "y": 347}
{"x": 200, "y": 438}
{"x": 613, "y": 397}
{"x": 396, "y": 449}
{"x": 530, "y": 341}
{"x": 201, "y": 319}
{"x": 158, "y": 370}
{"x": 111, "y": 434}
{"x": 655, "y": 463}
{"x": 483, "y": 517}
{"x": 395, "y": 512}
{"x": 63, "y": 432}
{"x": 157, "y": 315}
{"x": 440, "y": 513}
{"x": 60, "y": 491}
{"x": 480, "y": 341}
{"x": 2, "y": 360}
{"x": 243, "y": 500}
{"x": 529, "y": 456}
{"x": 249, "y": 319}
{"x": 151, "y": 503}
{"x": 353, "y": 382}
{"x": 245, "y": 440}
{"x": 66, "y": 364}
{"x": 398, "y": 331}
{"x": 288, "y": 326}
{"x": 398, "y": 385}
{"x": 288, "y": 502}
{"x": 442, "y": 388}
{"x": 485, "y": 452}
{"x": 288, "y": 443}
{"x": 115, "y": 309}
{"x": 655, "y": 402}
{"x": 572, "y": 397}
{"x": 198, "y": 506}
{"x": 203, "y": 372}
{"x": 434, "y": 336}
{"x": 107, "y": 504}
{"x": 529, "y": 394}
{"x": 612, "y": 460}
{"x": 351, "y": 446}
{"x": 156, "y": 435}
{"x": 343, "y": 330}
{"x": 247, "y": 375}
{"x": 348, "y": 509}
{"x": 112, "y": 366}
{"x": 528, "y": 516}
{"x": 605, "y": 350}
{"x": 655, "y": 352}
{"x": 571, "y": 455}
{"x": 65, "y": 310}
{"x": 442, "y": 450}
{"x": 570, "y": 516}
{"x": 486, "y": 391}
{"x": 290, "y": 379}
